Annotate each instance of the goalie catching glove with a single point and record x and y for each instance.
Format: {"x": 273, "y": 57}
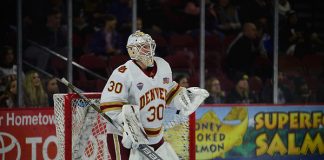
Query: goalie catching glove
{"x": 188, "y": 100}
{"x": 133, "y": 134}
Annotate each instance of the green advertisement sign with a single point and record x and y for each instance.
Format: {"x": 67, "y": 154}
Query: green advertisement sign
{"x": 260, "y": 132}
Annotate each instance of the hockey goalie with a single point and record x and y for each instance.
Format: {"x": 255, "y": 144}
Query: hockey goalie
{"x": 135, "y": 97}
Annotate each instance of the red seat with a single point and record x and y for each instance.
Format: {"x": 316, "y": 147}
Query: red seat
{"x": 181, "y": 41}
{"x": 159, "y": 40}
{"x": 227, "y": 41}
{"x": 287, "y": 63}
{"x": 93, "y": 63}
{"x": 58, "y": 66}
{"x": 95, "y": 85}
{"x": 213, "y": 42}
{"x": 194, "y": 80}
{"x": 117, "y": 60}
{"x": 87, "y": 85}
{"x": 255, "y": 84}
{"x": 100, "y": 84}
{"x": 226, "y": 84}
{"x": 213, "y": 60}
{"x": 180, "y": 61}
{"x": 313, "y": 63}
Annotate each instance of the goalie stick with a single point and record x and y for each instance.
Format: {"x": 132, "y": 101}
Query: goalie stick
{"x": 143, "y": 148}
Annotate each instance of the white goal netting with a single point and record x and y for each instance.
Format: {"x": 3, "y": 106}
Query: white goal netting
{"x": 81, "y": 131}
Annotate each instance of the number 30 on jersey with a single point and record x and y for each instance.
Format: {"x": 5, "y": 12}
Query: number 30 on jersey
{"x": 115, "y": 86}
{"x": 156, "y": 113}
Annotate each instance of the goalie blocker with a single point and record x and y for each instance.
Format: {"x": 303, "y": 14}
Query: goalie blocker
{"x": 188, "y": 100}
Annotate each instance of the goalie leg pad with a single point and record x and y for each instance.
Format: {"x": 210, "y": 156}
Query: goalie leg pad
{"x": 134, "y": 133}
{"x": 135, "y": 154}
{"x": 167, "y": 152}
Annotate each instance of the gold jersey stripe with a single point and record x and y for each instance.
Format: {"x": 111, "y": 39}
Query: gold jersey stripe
{"x": 153, "y": 132}
{"x": 111, "y": 103}
{"x": 117, "y": 147}
{"x": 112, "y": 109}
{"x": 173, "y": 93}
{"x": 172, "y": 90}
{"x": 153, "y": 129}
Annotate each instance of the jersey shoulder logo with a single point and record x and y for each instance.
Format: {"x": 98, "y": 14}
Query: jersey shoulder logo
{"x": 122, "y": 69}
{"x": 140, "y": 85}
{"x": 166, "y": 80}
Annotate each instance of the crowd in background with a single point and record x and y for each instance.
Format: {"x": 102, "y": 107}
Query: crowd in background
{"x": 239, "y": 47}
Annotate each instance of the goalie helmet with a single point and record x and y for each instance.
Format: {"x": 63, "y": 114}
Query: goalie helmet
{"x": 141, "y": 47}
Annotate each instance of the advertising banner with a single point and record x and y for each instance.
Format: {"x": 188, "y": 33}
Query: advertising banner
{"x": 27, "y": 134}
{"x": 260, "y": 132}
{"x": 222, "y": 132}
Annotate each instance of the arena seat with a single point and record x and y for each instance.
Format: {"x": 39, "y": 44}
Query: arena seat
{"x": 180, "y": 62}
{"x": 313, "y": 64}
{"x": 95, "y": 64}
{"x": 179, "y": 41}
{"x": 287, "y": 63}
{"x": 117, "y": 60}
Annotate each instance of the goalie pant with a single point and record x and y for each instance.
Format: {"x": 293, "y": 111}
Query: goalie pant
{"x": 119, "y": 152}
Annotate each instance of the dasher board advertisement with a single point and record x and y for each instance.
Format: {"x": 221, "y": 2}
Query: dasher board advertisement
{"x": 260, "y": 132}
{"x": 27, "y": 134}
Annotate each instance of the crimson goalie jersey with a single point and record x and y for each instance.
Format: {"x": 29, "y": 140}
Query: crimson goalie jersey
{"x": 128, "y": 84}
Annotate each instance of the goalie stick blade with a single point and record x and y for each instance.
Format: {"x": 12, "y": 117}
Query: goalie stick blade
{"x": 148, "y": 152}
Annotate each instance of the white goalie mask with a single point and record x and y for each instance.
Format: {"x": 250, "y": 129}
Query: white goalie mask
{"x": 141, "y": 47}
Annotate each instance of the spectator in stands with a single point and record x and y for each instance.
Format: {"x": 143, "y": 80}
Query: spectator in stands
{"x": 9, "y": 98}
{"x": 264, "y": 37}
{"x": 182, "y": 80}
{"x": 35, "y": 95}
{"x": 149, "y": 9}
{"x": 283, "y": 8}
{"x": 191, "y": 13}
{"x": 51, "y": 88}
{"x": 216, "y": 94}
{"x": 91, "y": 6}
{"x": 82, "y": 32}
{"x": 8, "y": 67}
{"x": 107, "y": 41}
{"x": 242, "y": 52}
{"x": 126, "y": 29}
{"x": 241, "y": 92}
{"x": 320, "y": 91}
{"x": 226, "y": 17}
{"x": 251, "y": 10}
{"x": 266, "y": 95}
{"x": 139, "y": 24}
{"x": 303, "y": 94}
{"x": 297, "y": 38}
{"x": 263, "y": 67}
{"x": 292, "y": 33}
{"x": 285, "y": 94}
{"x": 52, "y": 35}
{"x": 122, "y": 10}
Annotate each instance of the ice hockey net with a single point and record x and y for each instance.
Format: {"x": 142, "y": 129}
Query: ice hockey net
{"x": 81, "y": 131}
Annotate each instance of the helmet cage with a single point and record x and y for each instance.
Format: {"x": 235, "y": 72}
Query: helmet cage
{"x": 141, "y": 47}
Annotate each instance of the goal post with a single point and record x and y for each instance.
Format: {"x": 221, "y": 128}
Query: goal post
{"x": 81, "y": 131}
